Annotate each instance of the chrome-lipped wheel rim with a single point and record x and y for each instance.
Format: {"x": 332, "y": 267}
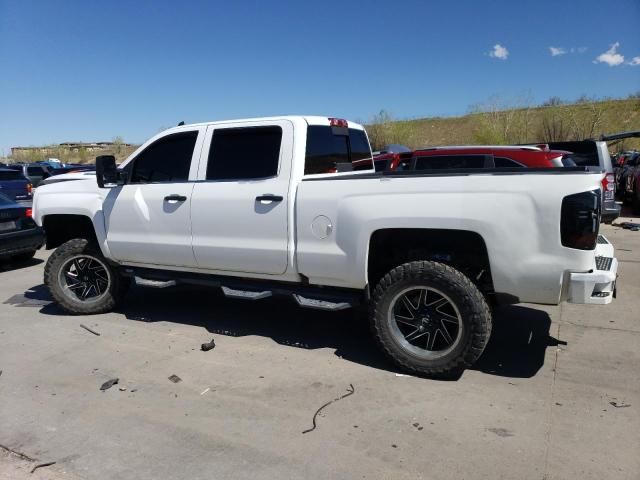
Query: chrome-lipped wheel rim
{"x": 425, "y": 322}
{"x": 85, "y": 278}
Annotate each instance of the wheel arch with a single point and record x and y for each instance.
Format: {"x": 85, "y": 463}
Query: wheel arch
{"x": 464, "y": 250}
{"x": 62, "y": 227}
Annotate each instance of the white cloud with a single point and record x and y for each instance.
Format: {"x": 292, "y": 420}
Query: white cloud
{"x": 611, "y": 57}
{"x": 555, "y": 51}
{"x": 635, "y": 61}
{"x": 499, "y": 52}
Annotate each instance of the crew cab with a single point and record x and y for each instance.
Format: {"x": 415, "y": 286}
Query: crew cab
{"x": 268, "y": 206}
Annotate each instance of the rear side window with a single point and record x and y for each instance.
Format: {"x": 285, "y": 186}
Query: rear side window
{"x": 502, "y": 162}
{"x": 165, "y": 160}
{"x": 11, "y": 175}
{"x": 330, "y": 153}
{"x": 445, "y": 162}
{"x": 244, "y": 153}
{"x": 34, "y": 170}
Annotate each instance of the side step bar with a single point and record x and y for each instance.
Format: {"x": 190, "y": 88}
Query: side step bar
{"x": 320, "y": 304}
{"x": 307, "y": 296}
{"x": 147, "y": 282}
{"x": 244, "y": 294}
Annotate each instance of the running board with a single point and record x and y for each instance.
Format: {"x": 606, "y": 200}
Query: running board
{"x": 146, "y": 282}
{"x": 307, "y": 296}
{"x": 245, "y": 294}
{"x": 320, "y": 304}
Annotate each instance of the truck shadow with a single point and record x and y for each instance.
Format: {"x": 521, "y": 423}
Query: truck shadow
{"x": 517, "y": 347}
{"x": 9, "y": 265}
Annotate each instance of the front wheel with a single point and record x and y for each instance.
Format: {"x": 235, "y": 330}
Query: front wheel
{"x": 430, "y": 319}
{"x": 81, "y": 280}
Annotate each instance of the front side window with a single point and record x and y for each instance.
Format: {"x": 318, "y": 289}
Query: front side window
{"x": 244, "y": 153}
{"x": 165, "y": 160}
{"x": 328, "y": 152}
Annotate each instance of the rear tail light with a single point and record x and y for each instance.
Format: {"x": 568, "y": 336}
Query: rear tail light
{"x": 580, "y": 220}
{"x": 28, "y": 212}
{"x": 29, "y": 188}
{"x": 609, "y": 186}
{"x": 338, "y": 122}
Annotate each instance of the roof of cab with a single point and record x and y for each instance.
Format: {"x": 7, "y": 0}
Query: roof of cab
{"x": 309, "y": 119}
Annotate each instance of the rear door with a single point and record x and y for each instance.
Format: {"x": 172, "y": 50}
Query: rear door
{"x": 240, "y": 208}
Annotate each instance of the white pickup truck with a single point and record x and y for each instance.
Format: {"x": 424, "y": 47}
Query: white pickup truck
{"x": 274, "y": 206}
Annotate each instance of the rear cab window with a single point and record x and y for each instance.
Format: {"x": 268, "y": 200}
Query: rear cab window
{"x": 7, "y": 175}
{"x": 336, "y": 149}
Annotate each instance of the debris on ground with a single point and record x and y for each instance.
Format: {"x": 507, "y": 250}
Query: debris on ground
{"x": 175, "y": 378}
{"x": 205, "y": 391}
{"x": 109, "y": 383}
{"x": 634, "y": 227}
{"x": 89, "y": 330}
{"x": 42, "y": 465}
{"x": 205, "y": 347}
{"x": 350, "y": 391}
{"x": 619, "y": 404}
{"x": 122, "y": 389}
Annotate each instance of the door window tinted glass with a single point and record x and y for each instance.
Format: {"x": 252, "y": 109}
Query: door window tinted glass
{"x": 502, "y": 162}
{"x": 166, "y": 160}
{"x": 34, "y": 170}
{"x": 244, "y": 153}
{"x": 329, "y": 153}
{"x": 442, "y": 162}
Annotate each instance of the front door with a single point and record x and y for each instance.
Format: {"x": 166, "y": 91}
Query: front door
{"x": 148, "y": 220}
{"x": 240, "y": 211}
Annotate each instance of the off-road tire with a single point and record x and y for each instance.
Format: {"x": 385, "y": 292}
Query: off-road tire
{"x": 471, "y": 304}
{"x": 79, "y": 246}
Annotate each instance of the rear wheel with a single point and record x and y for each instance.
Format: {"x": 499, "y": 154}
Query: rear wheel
{"x": 430, "y": 319}
{"x": 81, "y": 280}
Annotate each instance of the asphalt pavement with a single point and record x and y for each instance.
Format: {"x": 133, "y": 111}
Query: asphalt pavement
{"x": 555, "y": 396}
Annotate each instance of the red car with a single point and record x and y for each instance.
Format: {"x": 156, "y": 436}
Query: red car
{"x": 465, "y": 157}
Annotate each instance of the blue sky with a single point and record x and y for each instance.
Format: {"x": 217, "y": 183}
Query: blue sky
{"x": 87, "y": 71}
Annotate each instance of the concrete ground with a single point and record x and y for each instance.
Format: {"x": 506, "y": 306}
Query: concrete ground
{"x": 555, "y": 396}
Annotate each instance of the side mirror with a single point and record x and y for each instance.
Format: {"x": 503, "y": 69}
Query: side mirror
{"x": 106, "y": 171}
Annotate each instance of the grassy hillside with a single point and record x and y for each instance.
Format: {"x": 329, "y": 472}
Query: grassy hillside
{"x": 492, "y": 123}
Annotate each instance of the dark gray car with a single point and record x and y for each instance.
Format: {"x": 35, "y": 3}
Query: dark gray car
{"x": 35, "y": 172}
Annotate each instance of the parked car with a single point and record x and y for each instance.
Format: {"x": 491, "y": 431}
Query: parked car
{"x": 73, "y": 168}
{"x": 74, "y": 175}
{"x": 487, "y": 156}
{"x": 595, "y": 155}
{"x": 626, "y": 163}
{"x": 14, "y": 184}
{"x": 35, "y": 172}
{"x": 20, "y": 237}
{"x": 247, "y": 206}
{"x": 632, "y": 187}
